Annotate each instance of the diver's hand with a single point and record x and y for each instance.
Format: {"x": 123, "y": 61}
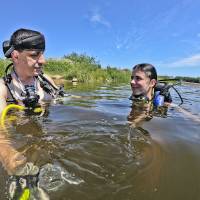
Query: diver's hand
{"x": 24, "y": 184}
{"x": 29, "y": 169}
{"x": 12, "y": 161}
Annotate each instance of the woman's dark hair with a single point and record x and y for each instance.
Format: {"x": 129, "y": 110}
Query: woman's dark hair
{"x": 148, "y": 69}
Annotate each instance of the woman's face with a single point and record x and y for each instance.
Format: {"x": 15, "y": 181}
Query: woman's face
{"x": 141, "y": 84}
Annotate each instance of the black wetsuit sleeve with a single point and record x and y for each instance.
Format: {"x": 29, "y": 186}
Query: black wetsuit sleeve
{"x": 168, "y": 97}
{"x": 164, "y": 90}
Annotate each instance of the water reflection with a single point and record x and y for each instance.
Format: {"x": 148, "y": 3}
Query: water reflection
{"x": 149, "y": 154}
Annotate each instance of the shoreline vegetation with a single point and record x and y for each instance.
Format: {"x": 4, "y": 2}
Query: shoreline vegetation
{"x": 83, "y": 68}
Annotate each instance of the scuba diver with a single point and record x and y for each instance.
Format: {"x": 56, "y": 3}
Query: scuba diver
{"x": 148, "y": 94}
{"x": 26, "y": 84}
{"x": 145, "y": 86}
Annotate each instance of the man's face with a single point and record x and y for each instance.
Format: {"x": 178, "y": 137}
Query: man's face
{"x": 30, "y": 62}
{"x": 141, "y": 84}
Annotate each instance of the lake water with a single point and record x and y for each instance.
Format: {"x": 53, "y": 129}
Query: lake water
{"x": 87, "y": 149}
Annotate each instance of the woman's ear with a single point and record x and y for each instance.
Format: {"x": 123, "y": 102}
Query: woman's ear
{"x": 153, "y": 82}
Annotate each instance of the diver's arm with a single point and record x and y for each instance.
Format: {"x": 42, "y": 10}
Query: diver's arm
{"x": 167, "y": 100}
{"x": 50, "y": 80}
{"x": 187, "y": 113}
{"x": 10, "y": 158}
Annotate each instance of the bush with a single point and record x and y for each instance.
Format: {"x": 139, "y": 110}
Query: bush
{"x": 82, "y": 67}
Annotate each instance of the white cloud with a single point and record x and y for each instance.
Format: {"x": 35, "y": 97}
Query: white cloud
{"x": 131, "y": 39}
{"x": 121, "y": 43}
{"x": 191, "y": 61}
{"x": 97, "y": 18}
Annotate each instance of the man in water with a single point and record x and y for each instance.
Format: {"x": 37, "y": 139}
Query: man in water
{"x": 25, "y": 84}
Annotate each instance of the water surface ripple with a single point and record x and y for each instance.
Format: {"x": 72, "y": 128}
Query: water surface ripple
{"x": 87, "y": 149}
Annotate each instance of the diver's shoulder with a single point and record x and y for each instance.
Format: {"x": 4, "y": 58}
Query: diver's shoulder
{"x": 48, "y": 77}
{"x": 3, "y": 91}
{"x": 2, "y": 82}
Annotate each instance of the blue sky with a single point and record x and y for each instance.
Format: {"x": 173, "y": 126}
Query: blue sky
{"x": 119, "y": 33}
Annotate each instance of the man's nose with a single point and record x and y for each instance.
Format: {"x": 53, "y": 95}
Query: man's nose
{"x": 41, "y": 59}
{"x": 132, "y": 81}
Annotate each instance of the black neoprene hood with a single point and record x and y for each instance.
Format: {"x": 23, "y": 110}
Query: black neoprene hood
{"x": 35, "y": 42}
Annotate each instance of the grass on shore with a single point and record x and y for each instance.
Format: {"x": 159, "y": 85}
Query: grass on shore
{"x": 86, "y": 69}
{"x": 82, "y": 67}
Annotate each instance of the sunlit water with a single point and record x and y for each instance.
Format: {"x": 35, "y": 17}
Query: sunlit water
{"x": 87, "y": 149}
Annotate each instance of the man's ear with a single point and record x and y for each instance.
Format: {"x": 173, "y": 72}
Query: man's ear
{"x": 153, "y": 82}
{"x": 15, "y": 55}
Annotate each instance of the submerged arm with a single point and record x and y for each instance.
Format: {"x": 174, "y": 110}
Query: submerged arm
{"x": 10, "y": 158}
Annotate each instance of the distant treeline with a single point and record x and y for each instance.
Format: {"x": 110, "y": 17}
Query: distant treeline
{"x": 82, "y": 67}
{"x": 182, "y": 78}
{"x": 87, "y": 69}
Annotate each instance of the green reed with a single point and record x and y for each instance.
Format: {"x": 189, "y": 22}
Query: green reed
{"x": 85, "y": 69}
{"x": 82, "y": 67}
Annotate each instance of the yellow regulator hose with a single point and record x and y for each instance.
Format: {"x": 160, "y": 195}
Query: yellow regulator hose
{"x": 5, "y": 111}
{"x": 25, "y": 195}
